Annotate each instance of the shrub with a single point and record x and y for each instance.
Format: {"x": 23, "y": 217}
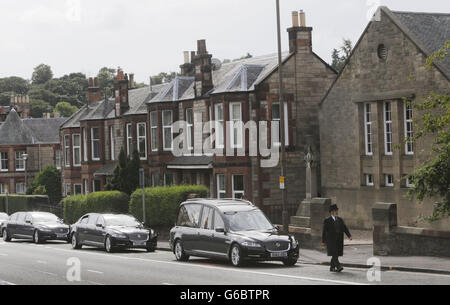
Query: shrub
{"x": 100, "y": 202}
{"x": 162, "y": 203}
{"x": 50, "y": 179}
{"x": 23, "y": 203}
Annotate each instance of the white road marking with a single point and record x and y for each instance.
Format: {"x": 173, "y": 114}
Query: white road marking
{"x": 42, "y": 262}
{"x": 168, "y": 284}
{"x": 3, "y": 254}
{"x": 94, "y": 271}
{"x": 95, "y": 283}
{"x": 2, "y": 282}
{"x": 47, "y": 273}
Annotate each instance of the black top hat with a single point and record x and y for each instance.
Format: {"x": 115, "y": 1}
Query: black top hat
{"x": 333, "y": 207}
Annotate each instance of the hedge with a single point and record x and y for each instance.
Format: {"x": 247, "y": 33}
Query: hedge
{"x": 23, "y": 203}
{"x": 100, "y": 202}
{"x": 162, "y": 203}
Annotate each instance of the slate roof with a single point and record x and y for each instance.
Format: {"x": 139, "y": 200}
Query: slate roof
{"x": 191, "y": 161}
{"x": 15, "y": 131}
{"x": 107, "y": 170}
{"x": 430, "y": 31}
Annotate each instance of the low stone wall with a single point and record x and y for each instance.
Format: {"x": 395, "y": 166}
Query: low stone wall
{"x": 390, "y": 239}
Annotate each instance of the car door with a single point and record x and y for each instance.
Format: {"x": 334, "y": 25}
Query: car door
{"x": 205, "y": 232}
{"x": 190, "y": 226}
{"x": 27, "y": 227}
{"x": 99, "y": 234}
{"x": 19, "y": 229}
{"x": 220, "y": 241}
{"x": 81, "y": 228}
{"x": 11, "y": 226}
{"x": 90, "y": 230}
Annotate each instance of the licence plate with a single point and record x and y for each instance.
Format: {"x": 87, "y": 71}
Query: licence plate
{"x": 139, "y": 243}
{"x": 281, "y": 254}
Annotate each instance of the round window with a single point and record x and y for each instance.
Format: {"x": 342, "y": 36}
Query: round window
{"x": 382, "y": 52}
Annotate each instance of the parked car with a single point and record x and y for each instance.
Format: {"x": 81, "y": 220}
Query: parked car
{"x": 37, "y": 226}
{"x": 233, "y": 230}
{"x": 3, "y": 219}
{"x": 112, "y": 232}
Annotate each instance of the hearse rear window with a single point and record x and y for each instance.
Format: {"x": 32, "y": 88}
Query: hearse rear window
{"x": 189, "y": 216}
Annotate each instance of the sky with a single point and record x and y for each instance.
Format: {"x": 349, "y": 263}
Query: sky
{"x": 146, "y": 37}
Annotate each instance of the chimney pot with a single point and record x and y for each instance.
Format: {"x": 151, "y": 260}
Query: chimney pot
{"x": 131, "y": 80}
{"x": 91, "y": 82}
{"x": 201, "y": 47}
{"x": 295, "y": 19}
{"x": 302, "y": 19}
{"x": 96, "y": 82}
{"x": 186, "y": 57}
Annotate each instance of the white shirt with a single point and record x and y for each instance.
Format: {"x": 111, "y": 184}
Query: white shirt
{"x": 334, "y": 217}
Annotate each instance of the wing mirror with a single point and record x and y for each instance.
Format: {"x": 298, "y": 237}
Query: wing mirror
{"x": 277, "y": 228}
{"x": 28, "y": 222}
{"x": 99, "y": 225}
{"x": 220, "y": 230}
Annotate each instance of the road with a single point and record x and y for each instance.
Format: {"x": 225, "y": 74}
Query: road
{"x": 22, "y": 262}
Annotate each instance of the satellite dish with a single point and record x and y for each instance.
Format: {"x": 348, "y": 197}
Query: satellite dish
{"x": 216, "y": 64}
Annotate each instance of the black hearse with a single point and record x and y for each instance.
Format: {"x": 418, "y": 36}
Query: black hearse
{"x": 37, "y": 226}
{"x": 112, "y": 232}
{"x": 230, "y": 229}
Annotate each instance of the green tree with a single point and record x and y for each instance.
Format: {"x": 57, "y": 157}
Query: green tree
{"x": 338, "y": 59}
{"x": 39, "y": 107}
{"x": 50, "y": 180}
{"x": 65, "y": 109}
{"x": 106, "y": 80}
{"x": 14, "y": 84}
{"x": 126, "y": 174}
{"x": 432, "y": 178}
{"x": 42, "y": 74}
{"x": 163, "y": 78}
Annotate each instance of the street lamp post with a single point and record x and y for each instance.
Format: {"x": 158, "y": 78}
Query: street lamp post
{"x": 285, "y": 215}
{"x": 142, "y": 183}
{"x": 25, "y": 158}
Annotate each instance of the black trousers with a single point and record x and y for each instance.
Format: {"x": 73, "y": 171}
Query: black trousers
{"x": 335, "y": 262}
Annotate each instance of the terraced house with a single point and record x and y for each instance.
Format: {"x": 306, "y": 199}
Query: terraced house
{"x": 205, "y": 90}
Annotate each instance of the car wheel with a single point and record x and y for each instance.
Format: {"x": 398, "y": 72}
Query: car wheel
{"x": 235, "y": 255}
{"x": 290, "y": 262}
{"x": 6, "y": 237}
{"x": 36, "y": 237}
{"x": 179, "y": 252}
{"x": 108, "y": 245}
{"x": 75, "y": 244}
{"x": 151, "y": 249}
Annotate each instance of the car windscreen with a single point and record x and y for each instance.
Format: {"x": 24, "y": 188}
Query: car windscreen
{"x": 253, "y": 220}
{"x": 43, "y": 218}
{"x": 121, "y": 221}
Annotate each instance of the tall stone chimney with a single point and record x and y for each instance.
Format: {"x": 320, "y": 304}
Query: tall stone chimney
{"x": 131, "y": 86}
{"x": 188, "y": 68}
{"x": 203, "y": 69}
{"x": 121, "y": 93}
{"x": 300, "y": 36}
{"x": 94, "y": 93}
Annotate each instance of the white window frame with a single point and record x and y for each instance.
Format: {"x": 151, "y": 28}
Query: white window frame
{"x": 66, "y": 150}
{"x": 219, "y": 127}
{"x": 221, "y": 191}
{"x": 190, "y": 128}
{"x": 387, "y": 183}
{"x": 167, "y": 127}
{"x": 409, "y": 144}
{"x": 75, "y": 188}
{"x": 408, "y": 183}
{"x": 235, "y": 191}
{"x": 86, "y": 186}
{"x": 388, "y": 146}
{"x": 94, "y": 190}
{"x": 93, "y": 141}
{"x": 369, "y": 180}
{"x": 85, "y": 148}
{"x": 58, "y": 162}
{"x": 139, "y": 137}
{"x": 368, "y": 130}
{"x": 20, "y": 188}
{"x": 20, "y": 161}
{"x": 112, "y": 143}
{"x": 154, "y": 130}
{"x": 129, "y": 133}
{"x": 236, "y": 143}
{"x": 68, "y": 190}
{"x": 2, "y": 159}
{"x": 76, "y": 150}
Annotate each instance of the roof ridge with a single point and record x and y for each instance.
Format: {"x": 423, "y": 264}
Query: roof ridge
{"x": 420, "y": 13}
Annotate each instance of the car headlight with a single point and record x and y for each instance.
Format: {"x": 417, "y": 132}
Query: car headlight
{"x": 43, "y": 229}
{"x": 294, "y": 243}
{"x": 251, "y": 244}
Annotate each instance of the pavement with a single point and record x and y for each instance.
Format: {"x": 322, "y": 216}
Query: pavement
{"x": 56, "y": 263}
{"x": 359, "y": 251}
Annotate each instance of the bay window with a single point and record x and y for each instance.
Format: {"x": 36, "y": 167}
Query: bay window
{"x": 76, "y": 141}
{"x": 95, "y": 143}
{"x": 219, "y": 126}
{"x": 154, "y": 130}
{"x": 67, "y": 151}
{"x": 112, "y": 142}
{"x": 129, "y": 139}
{"x": 221, "y": 186}
{"x": 236, "y": 119}
{"x": 142, "y": 140}
{"x": 167, "y": 130}
{"x": 190, "y": 128}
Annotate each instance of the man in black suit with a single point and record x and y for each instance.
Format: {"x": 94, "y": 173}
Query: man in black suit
{"x": 333, "y": 237}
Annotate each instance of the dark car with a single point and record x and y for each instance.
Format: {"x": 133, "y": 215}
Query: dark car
{"x": 112, "y": 232}
{"x": 3, "y": 219}
{"x": 37, "y": 226}
{"x": 234, "y": 230}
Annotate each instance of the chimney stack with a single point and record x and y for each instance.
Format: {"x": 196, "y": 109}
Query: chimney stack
{"x": 121, "y": 93}
{"x": 186, "y": 57}
{"x": 300, "y": 37}
{"x": 94, "y": 93}
{"x": 131, "y": 81}
{"x": 203, "y": 69}
{"x": 187, "y": 69}
{"x": 294, "y": 19}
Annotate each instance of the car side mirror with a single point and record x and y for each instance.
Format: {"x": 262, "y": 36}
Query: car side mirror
{"x": 99, "y": 225}
{"x": 277, "y": 228}
{"x": 220, "y": 230}
{"x": 28, "y": 221}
